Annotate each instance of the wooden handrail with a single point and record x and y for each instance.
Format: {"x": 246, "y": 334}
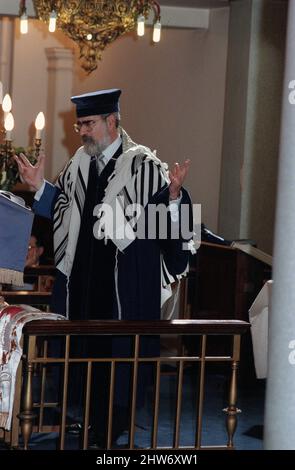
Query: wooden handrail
{"x": 27, "y": 297}
{"x": 124, "y": 327}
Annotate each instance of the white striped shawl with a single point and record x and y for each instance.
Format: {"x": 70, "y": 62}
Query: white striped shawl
{"x": 137, "y": 176}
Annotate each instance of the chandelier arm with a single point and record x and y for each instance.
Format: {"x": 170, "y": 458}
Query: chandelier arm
{"x": 22, "y": 7}
{"x": 157, "y": 10}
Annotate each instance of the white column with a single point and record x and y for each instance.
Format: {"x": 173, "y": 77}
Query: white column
{"x": 280, "y": 398}
{"x": 6, "y": 52}
{"x": 59, "y": 107}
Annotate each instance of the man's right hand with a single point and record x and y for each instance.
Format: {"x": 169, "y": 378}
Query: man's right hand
{"x": 33, "y": 175}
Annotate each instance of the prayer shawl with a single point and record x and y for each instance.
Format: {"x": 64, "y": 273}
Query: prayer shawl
{"x": 12, "y": 320}
{"x": 16, "y": 223}
{"x": 138, "y": 174}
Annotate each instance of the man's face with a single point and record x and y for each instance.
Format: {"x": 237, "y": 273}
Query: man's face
{"x": 95, "y": 134}
{"x": 34, "y": 252}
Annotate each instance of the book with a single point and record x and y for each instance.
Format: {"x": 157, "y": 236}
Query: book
{"x": 12, "y": 197}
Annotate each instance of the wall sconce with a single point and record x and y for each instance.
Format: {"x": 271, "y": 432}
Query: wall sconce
{"x": 6, "y": 147}
{"x": 6, "y": 150}
{"x": 8, "y": 169}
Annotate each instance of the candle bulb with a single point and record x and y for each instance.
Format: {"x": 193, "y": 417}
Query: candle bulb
{"x": 9, "y": 125}
{"x": 6, "y": 105}
{"x": 52, "y": 21}
{"x": 24, "y": 26}
{"x": 39, "y": 124}
{"x": 140, "y": 25}
{"x": 157, "y": 31}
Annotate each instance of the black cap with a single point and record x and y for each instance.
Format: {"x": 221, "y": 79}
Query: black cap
{"x": 97, "y": 102}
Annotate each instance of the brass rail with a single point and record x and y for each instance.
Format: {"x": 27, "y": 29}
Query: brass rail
{"x": 67, "y": 329}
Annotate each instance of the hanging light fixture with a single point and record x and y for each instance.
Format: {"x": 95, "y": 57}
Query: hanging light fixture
{"x": 157, "y": 23}
{"x": 95, "y": 24}
{"x": 23, "y": 17}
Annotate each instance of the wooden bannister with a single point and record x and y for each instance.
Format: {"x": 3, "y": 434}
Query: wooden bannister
{"x": 122, "y": 327}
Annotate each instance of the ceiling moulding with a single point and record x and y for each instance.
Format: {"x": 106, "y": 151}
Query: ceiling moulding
{"x": 173, "y": 17}
{"x": 176, "y": 17}
{"x": 11, "y": 7}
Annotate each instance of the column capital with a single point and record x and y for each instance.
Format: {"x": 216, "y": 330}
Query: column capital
{"x": 59, "y": 58}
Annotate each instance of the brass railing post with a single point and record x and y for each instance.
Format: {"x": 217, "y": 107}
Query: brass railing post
{"x": 27, "y": 416}
{"x": 232, "y": 410}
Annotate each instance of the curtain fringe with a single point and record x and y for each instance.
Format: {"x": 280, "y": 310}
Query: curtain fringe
{"x": 9, "y": 276}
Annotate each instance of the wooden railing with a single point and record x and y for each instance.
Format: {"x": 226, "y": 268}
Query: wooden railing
{"x": 36, "y": 359}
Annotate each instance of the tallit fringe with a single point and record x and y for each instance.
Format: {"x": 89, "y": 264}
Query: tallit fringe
{"x": 3, "y": 419}
{"x": 9, "y": 276}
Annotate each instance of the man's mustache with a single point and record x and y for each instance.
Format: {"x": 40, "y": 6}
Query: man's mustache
{"x": 86, "y": 139}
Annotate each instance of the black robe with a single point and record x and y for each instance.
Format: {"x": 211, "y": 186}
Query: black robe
{"x": 92, "y": 295}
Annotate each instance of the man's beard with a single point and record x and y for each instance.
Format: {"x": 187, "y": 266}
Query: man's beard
{"x": 92, "y": 147}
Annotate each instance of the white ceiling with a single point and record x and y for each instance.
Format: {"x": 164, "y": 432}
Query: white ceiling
{"x": 11, "y": 7}
{"x": 195, "y": 3}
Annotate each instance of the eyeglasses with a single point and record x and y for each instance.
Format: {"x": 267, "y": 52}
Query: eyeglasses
{"x": 89, "y": 123}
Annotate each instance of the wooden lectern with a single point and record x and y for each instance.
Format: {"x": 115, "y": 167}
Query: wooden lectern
{"x": 222, "y": 284}
{"x": 224, "y": 281}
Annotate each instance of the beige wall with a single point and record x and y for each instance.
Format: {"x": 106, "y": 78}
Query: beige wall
{"x": 30, "y": 80}
{"x": 173, "y": 95}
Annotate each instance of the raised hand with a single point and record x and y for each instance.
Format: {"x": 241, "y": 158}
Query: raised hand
{"x": 33, "y": 175}
{"x": 177, "y": 176}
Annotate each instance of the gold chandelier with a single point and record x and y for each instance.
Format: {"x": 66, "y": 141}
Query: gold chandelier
{"x": 94, "y": 24}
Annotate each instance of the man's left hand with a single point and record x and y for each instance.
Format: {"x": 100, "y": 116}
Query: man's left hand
{"x": 177, "y": 176}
